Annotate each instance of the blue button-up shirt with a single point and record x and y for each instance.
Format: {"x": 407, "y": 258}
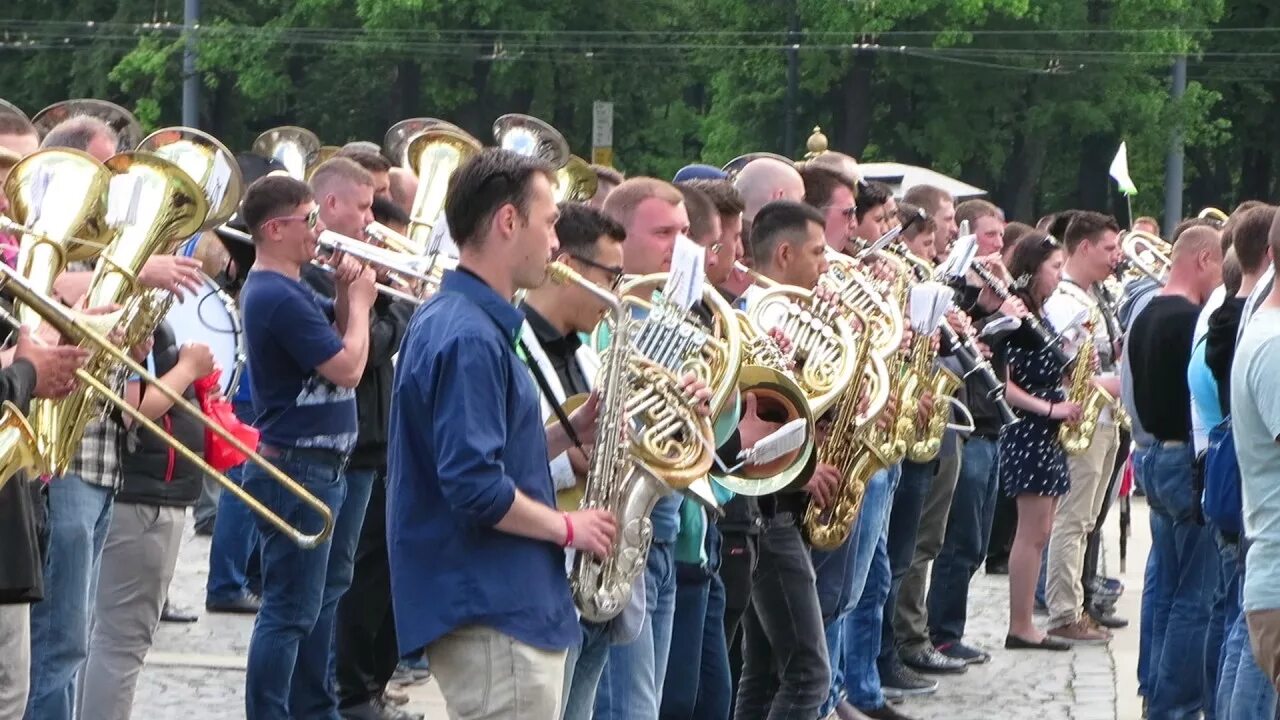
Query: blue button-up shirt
{"x": 466, "y": 433}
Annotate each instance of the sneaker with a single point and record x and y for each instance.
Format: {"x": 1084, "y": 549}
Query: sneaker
{"x": 171, "y": 614}
{"x": 1081, "y": 632}
{"x": 900, "y": 681}
{"x": 959, "y": 651}
{"x": 378, "y": 709}
{"x": 931, "y": 661}
{"x": 395, "y": 694}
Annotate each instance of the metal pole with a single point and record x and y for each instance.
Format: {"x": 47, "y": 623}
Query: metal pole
{"x": 1173, "y": 163}
{"x": 190, "y": 80}
{"x": 793, "y": 78}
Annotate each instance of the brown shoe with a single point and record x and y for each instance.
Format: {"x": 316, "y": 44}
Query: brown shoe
{"x": 1082, "y": 632}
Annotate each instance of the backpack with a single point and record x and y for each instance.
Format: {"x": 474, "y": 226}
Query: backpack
{"x": 1221, "y": 503}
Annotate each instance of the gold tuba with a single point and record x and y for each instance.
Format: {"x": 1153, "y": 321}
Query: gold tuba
{"x": 395, "y": 143}
{"x": 576, "y": 181}
{"x": 433, "y": 156}
{"x": 294, "y": 147}
{"x": 649, "y": 441}
{"x": 527, "y": 135}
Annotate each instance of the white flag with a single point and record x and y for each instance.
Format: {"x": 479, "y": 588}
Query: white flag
{"x": 1120, "y": 171}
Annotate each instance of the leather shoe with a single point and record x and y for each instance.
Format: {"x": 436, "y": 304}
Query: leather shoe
{"x": 177, "y": 615}
{"x": 886, "y": 712}
{"x": 930, "y": 660}
{"x": 246, "y": 604}
{"x": 1107, "y": 620}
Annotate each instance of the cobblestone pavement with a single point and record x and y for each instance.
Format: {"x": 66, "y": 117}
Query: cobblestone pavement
{"x": 196, "y": 672}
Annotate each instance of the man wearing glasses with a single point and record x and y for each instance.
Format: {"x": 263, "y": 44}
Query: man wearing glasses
{"x": 308, "y": 354}
{"x": 556, "y": 317}
{"x": 832, "y": 194}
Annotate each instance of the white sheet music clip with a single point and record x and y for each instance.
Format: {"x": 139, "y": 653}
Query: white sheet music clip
{"x": 788, "y": 438}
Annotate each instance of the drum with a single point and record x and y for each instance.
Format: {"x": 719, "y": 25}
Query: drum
{"x": 211, "y": 317}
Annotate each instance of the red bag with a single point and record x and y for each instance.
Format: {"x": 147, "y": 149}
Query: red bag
{"x": 218, "y": 452}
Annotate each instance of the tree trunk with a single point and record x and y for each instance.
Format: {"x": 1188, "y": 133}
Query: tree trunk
{"x": 1093, "y": 178}
{"x": 854, "y": 133}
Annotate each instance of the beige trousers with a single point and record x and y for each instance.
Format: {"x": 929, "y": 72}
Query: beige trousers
{"x": 1074, "y": 519}
{"x": 485, "y": 674}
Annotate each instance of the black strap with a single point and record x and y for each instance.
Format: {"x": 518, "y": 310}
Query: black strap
{"x": 550, "y": 396}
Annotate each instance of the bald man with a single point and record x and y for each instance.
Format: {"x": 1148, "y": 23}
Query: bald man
{"x": 404, "y": 186}
{"x": 1182, "y": 550}
{"x": 764, "y": 180}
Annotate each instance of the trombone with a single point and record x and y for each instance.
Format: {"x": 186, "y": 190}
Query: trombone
{"x": 80, "y": 332}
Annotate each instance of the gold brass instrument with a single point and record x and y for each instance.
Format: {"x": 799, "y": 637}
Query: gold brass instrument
{"x": 396, "y": 141}
{"x": 576, "y": 181}
{"x": 323, "y": 154}
{"x": 1076, "y": 436}
{"x": 57, "y": 200}
{"x": 433, "y": 156}
{"x": 1214, "y": 215}
{"x": 527, "y": 135}
{"x": 1148, "y": 254}
{"x": 294, "y": 147}
{"x": 17, "y": 444}
{"x": 207, "y": 161}
{"x": 150, "y": 203}
{"x": 418, "y": 276}
{"x": 650, "y": 440}
{"x": 858, "y": 294}
{"x": 127, "y": 128}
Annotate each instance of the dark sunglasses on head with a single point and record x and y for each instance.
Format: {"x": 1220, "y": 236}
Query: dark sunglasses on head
{"x": 614, "y": 271}
{"x": 1051, "y": 242}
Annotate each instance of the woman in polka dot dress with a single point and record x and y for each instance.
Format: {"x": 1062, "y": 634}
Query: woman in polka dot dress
{"x": 1033, "y": 467}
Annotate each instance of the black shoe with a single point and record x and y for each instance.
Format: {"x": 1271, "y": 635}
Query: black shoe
{"x": 899, "y": 680}
{"x": 246, "y": 604}
{"x": 930, "y": 660}
{"x": 1107, "y": 619}
{"x": 885, "y": 712}
{"x": 176, "y": 615}
{"x": 378, "y": 709}
{"x": 204, "y": 529}
{"x": 1013, "y": 642}
{"x": 999, "y": 567}
{"x": 959, "y": 651}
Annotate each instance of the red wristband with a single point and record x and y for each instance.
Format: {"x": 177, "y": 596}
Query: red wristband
{"x": 568, "y": 530}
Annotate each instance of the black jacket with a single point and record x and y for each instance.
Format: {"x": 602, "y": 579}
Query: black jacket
{"x": 373, "y": 395}
{"x": 21, "y": 507}
{"x": 153, "y": 473}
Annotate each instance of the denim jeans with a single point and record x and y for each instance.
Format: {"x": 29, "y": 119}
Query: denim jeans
{"x": 842, "y": 573}
{"x": 234, "y": 537}
{"x": 582, "y": 669}
{"x": 290, "y": 651}
{"x": 862, "y": 633}
{"x": 1186, "y": 575}
{"x": 698, "y": 686}
{"x": 904, "y": 525}
{"x": 784, "y": 672}
{"x": 1243, "y": 690}
{"x": 79, "y": 517}
{"x": 965, "y": 545}
{"x": 632, "y": 680}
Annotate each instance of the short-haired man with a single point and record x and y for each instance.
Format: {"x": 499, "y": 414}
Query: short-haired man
{"x": 919, "y": 235}
{"x": 940, "y": 206}
{"x": 307, "y": 355}
{"x": 985, "y": 222}
{"x": 1091, "y": 243}
{"x": 477, "y": 565}
{"x": 344, "y": 192}
{"x": 728, "y": 248}
{"x": 377, "y": 165}
{"x": 788, "y": 243}
{"x": 83, "y": 132}
{"x": 1147, "y": 224}
{"x": 704, "y": 229}
{"x": 1182, "y": 557}
{"x": 833, "y": 195}
{"x": 606, "y": 180}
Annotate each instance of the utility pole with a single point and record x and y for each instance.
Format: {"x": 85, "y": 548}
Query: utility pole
{"x": 190, "y": 80}
{"x": 793, "y": 78}
{"x": 1173, "y": 163}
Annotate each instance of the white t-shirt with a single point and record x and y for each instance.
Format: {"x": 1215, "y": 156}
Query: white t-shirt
{"x": 1255, "y": 421}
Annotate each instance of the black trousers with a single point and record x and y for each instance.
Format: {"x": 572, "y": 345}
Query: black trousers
{"x": 365, "y": 632}
{"x": 1093, "y": 549}
{"x": 737, "y": 559}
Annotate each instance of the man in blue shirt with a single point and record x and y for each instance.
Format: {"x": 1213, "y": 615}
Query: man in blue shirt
{"x": 304, "y": 372}
{"x": 475, "y": 541}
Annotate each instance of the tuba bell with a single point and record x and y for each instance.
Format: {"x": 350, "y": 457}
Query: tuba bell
{"x": 207, "y": 161}
{"x": 576, "y": 181}
{"x": 127, "y": 128}
{"x": 527, "y": 135}
{"x": 294, "y": 147}
{"x": 395, "y": 143}
{"x": 433, "y": 156}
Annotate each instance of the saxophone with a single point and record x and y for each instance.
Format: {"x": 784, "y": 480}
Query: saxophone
{"x": 650, "y": 440}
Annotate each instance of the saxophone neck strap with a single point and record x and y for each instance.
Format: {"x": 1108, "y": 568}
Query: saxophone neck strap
{"x": 545, "y": 387}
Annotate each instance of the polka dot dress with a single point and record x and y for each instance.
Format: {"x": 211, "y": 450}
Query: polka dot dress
{"x": 1032, "y": 461}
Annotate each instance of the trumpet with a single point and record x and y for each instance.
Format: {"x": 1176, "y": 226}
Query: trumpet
{"x": 18, "y": 445}
{"x": 420, "y": 274}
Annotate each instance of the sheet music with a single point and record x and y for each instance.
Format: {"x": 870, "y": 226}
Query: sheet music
{"x": 440, "y": 239}
{"x": 963, "y": 251}
{"x": 929, "y": 303}
{"x": 688, "y": 273}
{"x": 39, "y": 190}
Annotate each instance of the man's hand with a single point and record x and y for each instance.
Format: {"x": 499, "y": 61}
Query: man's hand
{"x": 198, "y": 357}
{"x": 583, "y": 419}
{"x": 885, "y": 419}
{"x": 55, "y": 365}
{"x": 179, "y": 275}
{"x": 593, "y": 531}
{"x": 824, "y": 484}
{"x": 579, "y": 461}
{"x": 359, "y": 283}
{"x": 925, "y": 409}
{"x": 1014, "y": 307}
{"x": 698, "y": 392}
{"x": 960, "y": 322}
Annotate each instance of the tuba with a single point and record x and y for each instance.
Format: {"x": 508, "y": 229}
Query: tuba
{"x": 576, "y": 181}
{"x": 649, "y": 441}
{"x": 531, "y": 137}
{"x": 433, "y": 156}
{"x": 126, "y": 127}
{"x": 294, "y": 147}
{"x": 395, "y": 143}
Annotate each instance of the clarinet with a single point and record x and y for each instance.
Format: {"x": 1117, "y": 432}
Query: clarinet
{"x": 972, "y": 363}
{"x": 1046, "y": 339}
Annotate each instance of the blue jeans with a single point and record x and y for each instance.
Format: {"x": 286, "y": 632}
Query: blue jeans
{"x": 291, "y": 649}
{"x": 862, "y": 633}
{"x": 904, "y": 527}
{"x": 842, "y": 573}
{"x": 79, "y": 516}
{"x": 583, "y": 666}
{"x": 342, "y": 549}
{"x": 965, "y": 545}
{"x": 700, "y": 687}
{"x": 1243, "y": 690}
{"x": 234, "y": 537}
{"x": 1186, "y": 573}
{"x": 632, "y": 681}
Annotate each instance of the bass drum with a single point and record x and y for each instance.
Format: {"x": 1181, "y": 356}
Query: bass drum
{"x": 211, "y": 317}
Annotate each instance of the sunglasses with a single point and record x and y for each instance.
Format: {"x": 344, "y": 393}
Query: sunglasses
{"x": 1050, "y": 242}
{"x": 849, "y": 213}
{"x": 614, "y": 271}
{"x": 310, "y": 218}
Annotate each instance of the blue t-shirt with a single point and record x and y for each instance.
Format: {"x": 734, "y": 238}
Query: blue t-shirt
{"x": 289, "y": 332}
